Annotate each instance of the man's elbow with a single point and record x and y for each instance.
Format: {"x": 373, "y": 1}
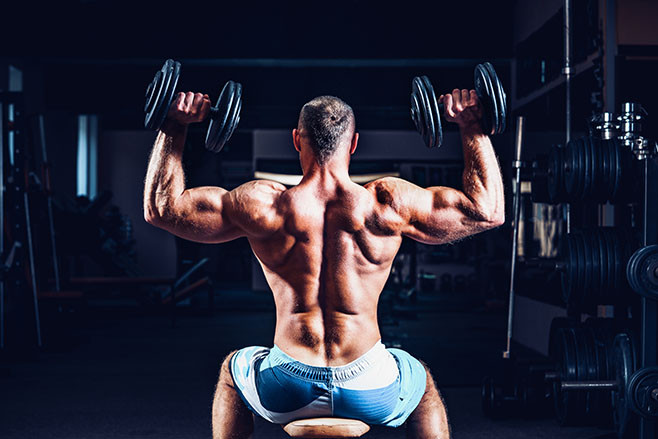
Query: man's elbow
{"x": 154, "y": 217}
{"x": 495, "y": 219}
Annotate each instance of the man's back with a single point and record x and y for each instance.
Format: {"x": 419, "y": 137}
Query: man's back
{"x": 327, "y": 261}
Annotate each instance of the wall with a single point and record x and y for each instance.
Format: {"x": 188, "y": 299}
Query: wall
{"x": 123, "y": 158}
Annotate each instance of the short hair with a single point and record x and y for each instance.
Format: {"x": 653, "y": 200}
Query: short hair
{"x": 324, "y": 121}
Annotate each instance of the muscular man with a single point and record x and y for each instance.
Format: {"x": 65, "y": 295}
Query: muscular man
{"x": 326, "y": 247}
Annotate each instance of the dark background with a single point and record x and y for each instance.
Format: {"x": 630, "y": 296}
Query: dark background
{"x": 115, "y": 361}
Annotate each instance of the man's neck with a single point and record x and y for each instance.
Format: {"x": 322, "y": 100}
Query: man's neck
{"x": 326, "y": 177}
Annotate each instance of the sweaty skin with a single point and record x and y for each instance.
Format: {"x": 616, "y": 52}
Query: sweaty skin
{"x": 327, "y": 245}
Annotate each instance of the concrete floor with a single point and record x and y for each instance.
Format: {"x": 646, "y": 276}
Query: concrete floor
{"x": 126, "y": 375}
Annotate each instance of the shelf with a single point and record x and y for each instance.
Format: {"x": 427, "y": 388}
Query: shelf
{"x": 577, "y": 69}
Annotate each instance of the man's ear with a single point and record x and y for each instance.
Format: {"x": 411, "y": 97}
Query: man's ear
{"x": 296, "y": 140}
{"x": 355, "y": 140}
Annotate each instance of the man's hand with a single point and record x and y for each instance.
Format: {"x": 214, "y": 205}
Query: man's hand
{"x": 462, "y": 107}
{"x": 187, "y": 108}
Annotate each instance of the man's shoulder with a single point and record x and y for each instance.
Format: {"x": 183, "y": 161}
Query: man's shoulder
{"x": 387, "y": 190}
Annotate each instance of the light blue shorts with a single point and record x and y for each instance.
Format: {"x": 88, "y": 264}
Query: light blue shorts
{"x": 381, "y": 387}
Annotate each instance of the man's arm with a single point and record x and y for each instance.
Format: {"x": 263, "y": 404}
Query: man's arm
{"x": 204, "y": 214}
{"x": 438, "y": 215}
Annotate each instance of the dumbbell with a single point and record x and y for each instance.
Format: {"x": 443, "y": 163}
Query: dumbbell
{"x": 426, "y": 110}
{"x": 224, "y": 116}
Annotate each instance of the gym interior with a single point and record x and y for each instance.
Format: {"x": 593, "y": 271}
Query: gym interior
{"x": 543, "y": 327}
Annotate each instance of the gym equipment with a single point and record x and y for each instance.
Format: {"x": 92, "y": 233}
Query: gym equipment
{"x": 642, "y": 271}
{"x": 516, "y": 164}
{"x": 426, "y": 110}
{"x": 224, "y": 116}
{"x": 597, "y": 377}
{"x": 593, "y": 264}
{"x": 326, "y": 428}
{"x": 591, "y": 169}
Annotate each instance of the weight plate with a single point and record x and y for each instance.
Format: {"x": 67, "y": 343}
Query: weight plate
{"x": 581, "y": 174}
{"x": 617, "y": 170}
{"x": 609, "y": 175}
{"x": 642, "y": 271}
{"x": 583, "y": 368}
{"x": 624, "y": 365}
{"x": 565, "y": 403}
{"x": 588, "y": 174}
{"x": 500, "y": 97}
{"x": 580, "y": 262}
{"x": 425, "y": 112}
{"x": 226, "y": 116}
{"x": 610, "y": 266}
{"x": 642, "y": 392}
{"x": 160, "y": 93}
{"x": 568, "y": 275}
{"x": 485, "y": 92}
{"x": 569, "y": 168}
{"x": 555, "y": 176}
{"x": 603, "y": 262}
{"x": 595, "y": 283}
{"x": 587, "y": 290}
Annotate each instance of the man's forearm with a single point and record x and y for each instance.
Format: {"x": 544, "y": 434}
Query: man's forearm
{"x": 165, "y": 179}
{"x": 482, "y": 180}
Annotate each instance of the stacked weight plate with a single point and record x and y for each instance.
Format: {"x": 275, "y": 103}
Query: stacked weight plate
{"x": 594, "y": 266}
{"x": 592, "y": 170}
{"x": 586, "y": 352}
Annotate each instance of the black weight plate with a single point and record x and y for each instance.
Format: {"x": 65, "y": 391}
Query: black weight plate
{"x": 224, "y": 122}
{"x": 641, "y": 385}
{"x": 624, "y": 365}
{"x": 587, "y": 284}
{"x": 610, "y": 264}
{"x": 565, "y": 360}
{"x": 436, "y": 111}
{"x": 568, "y": 275}
{"x": 555, "y": 176}
{"x": 570, "y": 167}
{"x": 582, "y": 270}
{"x": 587, "y": 176}
{"x": 603, "y": 262}
{"x": 425, "y": 112}
{"x": 484, "y": 90}
{"x": 595, "y": 276}
{"x": 159, "y": 94}
{"x": 596, "y": 170}
{"x": 642, "y": 271}
{"x": 582, "y": 366}
{"x": 501, "y": 99}
{"x": 609, "y": 175}
{"x": 601, "y": 182}
{"x": 575, "y": 190}
{"x": 617, "y": 259}
{"x": 420, "y": 109}
{"x": 592, "y": 372}
{"x": 581, "y": 175}
{"x": 617, "y": 170}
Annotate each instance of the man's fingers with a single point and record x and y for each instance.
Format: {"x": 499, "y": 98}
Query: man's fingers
{"x": 205, "y": 108}
{"x": 198, "y": 101}
{"x": 189, "y": 99}
{"x": 457, "y": 97}
{"x": 447, "y": 105}
{"x": 465, "y": 98}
